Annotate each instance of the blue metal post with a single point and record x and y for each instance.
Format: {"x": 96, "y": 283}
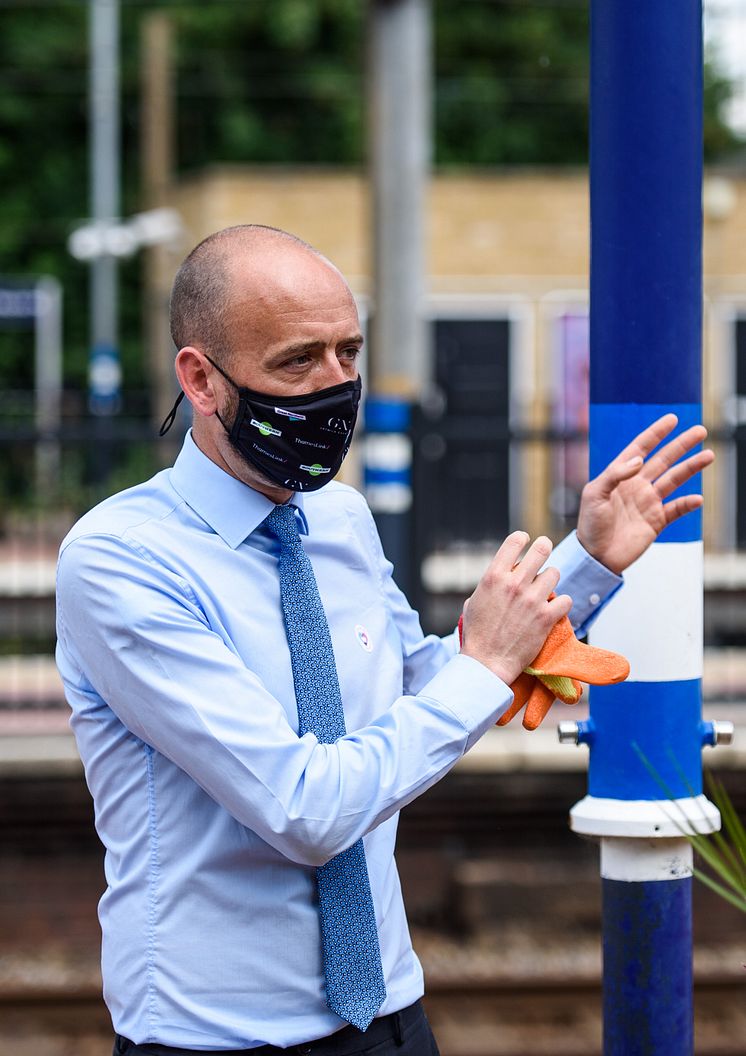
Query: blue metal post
{"x": 388, "y": 480}
{"x": 646, "y": 321}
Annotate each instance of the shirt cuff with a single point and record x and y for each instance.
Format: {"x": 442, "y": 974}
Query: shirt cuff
{"x": 472, "y": 693}
{"x": 590, "y": 584}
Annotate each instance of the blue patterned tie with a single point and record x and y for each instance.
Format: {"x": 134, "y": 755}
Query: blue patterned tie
{"x": 355, "y": 987}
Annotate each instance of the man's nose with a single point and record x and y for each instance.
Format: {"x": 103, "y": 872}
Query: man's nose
{"x": 335, "y": 370}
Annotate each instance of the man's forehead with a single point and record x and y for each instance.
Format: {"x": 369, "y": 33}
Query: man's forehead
{"x": 290, "y": 284}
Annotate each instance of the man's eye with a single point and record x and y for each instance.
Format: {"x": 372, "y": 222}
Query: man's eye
{"x": 350, "y": 353}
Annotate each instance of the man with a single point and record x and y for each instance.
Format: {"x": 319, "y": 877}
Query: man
{"x": 253, "y": 903}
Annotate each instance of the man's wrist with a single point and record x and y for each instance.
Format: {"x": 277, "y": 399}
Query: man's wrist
{"x": 497, "y": 667}
{"x": 599, "y": 556}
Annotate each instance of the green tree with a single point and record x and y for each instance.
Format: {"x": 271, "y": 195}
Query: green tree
{"x": 271, "y": 82}
{"x": 268, "y": 81}
{"x": 511, "y": 83}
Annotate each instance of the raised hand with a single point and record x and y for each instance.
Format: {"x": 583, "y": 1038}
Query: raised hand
{"x": 624, "y": 509}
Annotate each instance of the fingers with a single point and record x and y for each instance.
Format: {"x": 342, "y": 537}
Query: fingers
{"x": 649, "y": 438}
{"x": 677, "y": 449}
{"x": 677, "y": 475}
{"x": 678, "y": 507}
{"x": 559, "y": 607}
{"x": 536, "y": 556}
{"x": 510, "y": 551}
{"x": 508, "y": 558}
{"x": 659, "y": 466}
{"x": 547, "y": 580}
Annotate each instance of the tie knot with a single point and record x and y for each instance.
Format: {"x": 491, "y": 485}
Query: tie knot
{"x": 282, "y": 524}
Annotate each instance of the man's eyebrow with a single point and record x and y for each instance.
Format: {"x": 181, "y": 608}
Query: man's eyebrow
{"x": 309, "y": 346}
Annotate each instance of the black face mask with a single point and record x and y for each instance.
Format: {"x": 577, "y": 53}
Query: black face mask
{"x": 297, "y": 442}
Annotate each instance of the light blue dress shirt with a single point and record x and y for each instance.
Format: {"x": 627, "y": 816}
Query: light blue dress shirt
{"x": 213, "y": 811}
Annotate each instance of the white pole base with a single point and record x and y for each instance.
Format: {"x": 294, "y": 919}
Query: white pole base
{"x": 651, "y": 818}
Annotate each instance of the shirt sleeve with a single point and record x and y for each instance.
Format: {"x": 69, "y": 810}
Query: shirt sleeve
{"x": 132, "y": 634}
{"x": 589, "y": 583}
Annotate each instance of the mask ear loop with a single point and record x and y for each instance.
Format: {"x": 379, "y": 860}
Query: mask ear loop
{"x": 170, "y": 418}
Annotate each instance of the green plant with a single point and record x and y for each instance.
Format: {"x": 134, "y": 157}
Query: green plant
{"x": 724, "y": 852}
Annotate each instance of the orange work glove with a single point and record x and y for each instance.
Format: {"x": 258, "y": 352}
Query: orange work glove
{"x": 561, "y": 665}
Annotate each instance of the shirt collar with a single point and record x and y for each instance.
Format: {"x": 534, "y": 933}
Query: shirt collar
{"x": 231, "y": 508}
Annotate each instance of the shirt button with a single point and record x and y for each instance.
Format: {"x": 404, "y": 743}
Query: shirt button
{"x": 594, "y": 599}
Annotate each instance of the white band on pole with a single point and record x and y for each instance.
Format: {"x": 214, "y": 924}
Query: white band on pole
{"x": 637, "y": 861}
{"x": 663, "y": 589}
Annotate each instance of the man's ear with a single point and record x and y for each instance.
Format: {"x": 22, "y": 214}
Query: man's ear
{"x": 195, "y": 374}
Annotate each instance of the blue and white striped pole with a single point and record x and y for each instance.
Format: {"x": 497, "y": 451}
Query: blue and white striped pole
{"x": 646, "y": 322}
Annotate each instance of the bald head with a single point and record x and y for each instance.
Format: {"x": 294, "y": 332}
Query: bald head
{"x": 275, "y": 316}
{"x": 228, "y": 268}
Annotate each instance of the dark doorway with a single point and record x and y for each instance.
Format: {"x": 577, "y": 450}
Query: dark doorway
{"x": 462, "y": 439}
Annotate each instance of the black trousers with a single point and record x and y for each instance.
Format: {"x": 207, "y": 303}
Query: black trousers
{"x": 405, "y": 1033}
